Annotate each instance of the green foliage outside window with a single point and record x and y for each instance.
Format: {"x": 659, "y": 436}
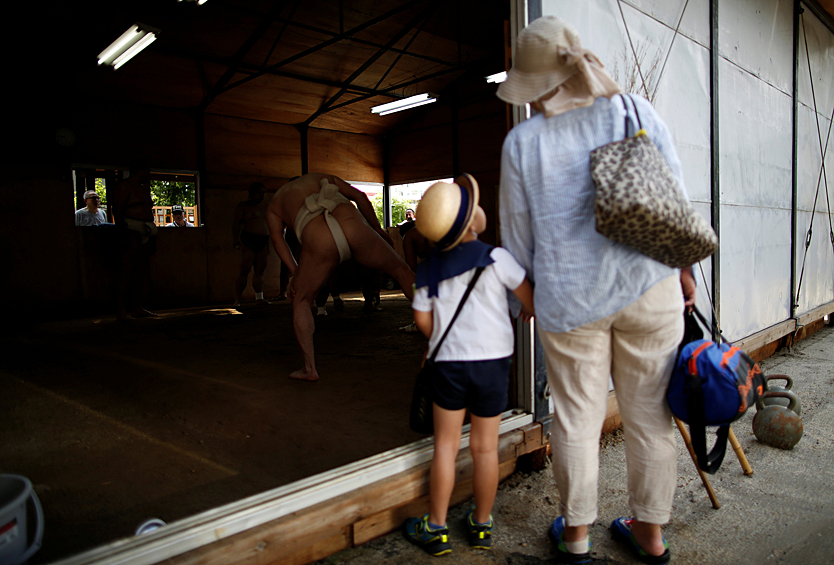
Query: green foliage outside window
{"x": 398, "y": 207}
{"x": 101, "y": 191}
{"x": 169, "y": 193}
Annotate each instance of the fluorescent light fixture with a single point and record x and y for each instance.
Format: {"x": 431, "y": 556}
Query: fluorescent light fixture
{"x": 199, "y": 2}
{"x": 131, "y": 42}
{"x": 497, "y": 77}
{"x": 404, "y": 104}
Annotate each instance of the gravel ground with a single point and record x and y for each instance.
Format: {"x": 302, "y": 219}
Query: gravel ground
{"x": 783, "y": 514}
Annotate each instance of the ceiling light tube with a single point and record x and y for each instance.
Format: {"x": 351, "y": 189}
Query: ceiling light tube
{"x": 409, "y": 107}
{"x": 136, "y": 38}
{"x": 133, "y": 50}
{"x": 404, "y": 104}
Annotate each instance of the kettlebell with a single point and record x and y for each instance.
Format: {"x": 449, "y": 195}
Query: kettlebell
{"x": 778, "y": 426}
{"x": 774, "y": 401}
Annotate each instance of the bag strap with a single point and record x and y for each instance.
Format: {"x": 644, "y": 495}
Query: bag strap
{"x": 469, "y": 288}
{"x": 707, "y": 325}
{"x": 708, "y": 462}
{"x": 636, "y": 113}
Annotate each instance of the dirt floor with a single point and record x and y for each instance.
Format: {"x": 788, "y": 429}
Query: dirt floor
{"x": 117, "y": 422}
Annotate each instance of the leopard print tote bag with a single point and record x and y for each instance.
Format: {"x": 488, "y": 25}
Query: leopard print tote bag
{"x": 639, "y": 203}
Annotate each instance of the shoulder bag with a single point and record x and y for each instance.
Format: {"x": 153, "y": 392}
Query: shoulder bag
{"x": 640, "y": 204}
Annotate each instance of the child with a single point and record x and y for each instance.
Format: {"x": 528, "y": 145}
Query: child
{"x": 474, "y": 360}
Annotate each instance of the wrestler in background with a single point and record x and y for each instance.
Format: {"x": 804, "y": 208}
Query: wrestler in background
{"x": 251, "y": 237}
{"x": 133, "y": 216}
{"x": 320, "y": 209}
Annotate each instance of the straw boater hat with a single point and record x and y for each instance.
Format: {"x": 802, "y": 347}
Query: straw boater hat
{"x": 548, "y": 55}
{"x": 446, "y": 211}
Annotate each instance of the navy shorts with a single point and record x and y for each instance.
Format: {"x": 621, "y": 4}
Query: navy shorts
{"x": 480, "y": 386}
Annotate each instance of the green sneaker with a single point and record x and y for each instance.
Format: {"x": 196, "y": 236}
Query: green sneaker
{"x": 480, "y": 535}
{"x": 435, "y": 542}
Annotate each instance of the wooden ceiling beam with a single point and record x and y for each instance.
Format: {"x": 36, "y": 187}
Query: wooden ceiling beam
{"x": 280, "y": 33}
{"x": 327, "y": 43}
{"x": 387, "y": 91}
{"x": 372, "y": 43}
{"x": 245, "y": 68}
{"x": 407, "y": 45}
{"x": 423, "y": 16}
{"x": 300, "y": 25}
{"x": 250, "y": 41}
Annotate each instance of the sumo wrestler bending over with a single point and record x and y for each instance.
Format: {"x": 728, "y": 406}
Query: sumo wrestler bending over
{"x": 320, "y": 209}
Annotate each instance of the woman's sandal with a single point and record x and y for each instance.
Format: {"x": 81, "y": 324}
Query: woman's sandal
{"x": 621, "y": 531}
{"x": 556, "y": 532}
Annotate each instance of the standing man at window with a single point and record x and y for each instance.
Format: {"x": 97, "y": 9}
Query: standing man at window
{"x": 178, "y": 216}
{"x": 90, "y": 215}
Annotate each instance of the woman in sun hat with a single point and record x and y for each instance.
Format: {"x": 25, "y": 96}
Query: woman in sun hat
{"x": 474, "y": 358}
{"x": 602, "y": 308}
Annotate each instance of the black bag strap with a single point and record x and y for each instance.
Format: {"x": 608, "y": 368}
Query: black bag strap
{"x": 636, "y": 113}
{"x": 469, "y": 288}
{"x": 707, "y": 325}
{"x": 708, "y": 462}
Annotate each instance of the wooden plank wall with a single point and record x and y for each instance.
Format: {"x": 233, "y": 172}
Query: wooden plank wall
{"x": 250, "y": 149}
{"x": 350, "y": 156}
{"x": 115, "y": 134}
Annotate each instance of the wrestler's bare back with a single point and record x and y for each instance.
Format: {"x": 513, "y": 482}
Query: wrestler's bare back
{"x": 288, "y": 200}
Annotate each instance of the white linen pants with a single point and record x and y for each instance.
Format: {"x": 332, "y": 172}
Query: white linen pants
{"x": 636, "y": 347}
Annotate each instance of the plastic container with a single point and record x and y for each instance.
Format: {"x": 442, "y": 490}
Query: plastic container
{"x": 20, "y": 511}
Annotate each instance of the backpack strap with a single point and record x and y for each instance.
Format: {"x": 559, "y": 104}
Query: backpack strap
{"x": 709, "y": 463}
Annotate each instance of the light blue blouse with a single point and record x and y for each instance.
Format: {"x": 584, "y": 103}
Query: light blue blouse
{"x": 547, "y": 213}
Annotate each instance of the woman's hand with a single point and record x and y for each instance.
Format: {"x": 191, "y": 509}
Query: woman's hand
{"x": 688, "y": 286}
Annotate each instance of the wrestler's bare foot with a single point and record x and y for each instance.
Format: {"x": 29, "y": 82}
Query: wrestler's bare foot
{"x": 303, "y": 375}
{"x": 282, "y": 296}
{"x": 142, "y": 313}
{"x": 262, "y": 301}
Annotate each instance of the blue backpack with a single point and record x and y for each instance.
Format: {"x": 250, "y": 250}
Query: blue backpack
{"x": 712, "y": 385}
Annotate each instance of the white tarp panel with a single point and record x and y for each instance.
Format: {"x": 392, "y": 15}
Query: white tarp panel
{"x": 757, "y": 35}
{"x": 755, "y": 186}
{"x": 756, "y": 141}
{"x": 817, "y": 285}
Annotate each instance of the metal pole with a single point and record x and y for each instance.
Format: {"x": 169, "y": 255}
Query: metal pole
{"x": 386, "y": 182}
{"x": 715, "y": 176}
{"x": 794, "y": 157}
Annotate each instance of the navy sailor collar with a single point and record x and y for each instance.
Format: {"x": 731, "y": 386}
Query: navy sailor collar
{"x": 442, "y": 265}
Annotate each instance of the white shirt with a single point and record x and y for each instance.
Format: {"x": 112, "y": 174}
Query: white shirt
{"x": 483, "y": 329}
